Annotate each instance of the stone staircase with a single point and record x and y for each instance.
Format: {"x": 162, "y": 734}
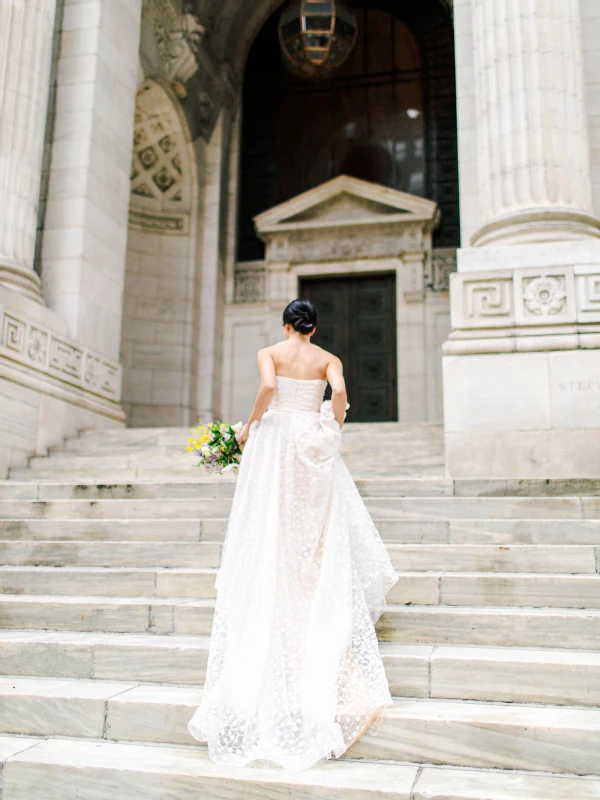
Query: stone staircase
{"x": 491, "y": 643}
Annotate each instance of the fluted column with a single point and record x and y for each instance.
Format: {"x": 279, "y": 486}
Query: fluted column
{"x": 26, "y": 30}
{"x": 532, "y": 141}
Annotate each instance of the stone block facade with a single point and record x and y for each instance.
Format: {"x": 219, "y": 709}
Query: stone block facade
{"x": 136, "y": 244}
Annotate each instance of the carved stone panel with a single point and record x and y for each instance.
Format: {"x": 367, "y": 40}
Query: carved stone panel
{"x": 544, "y": 297}
{"x": 482, "y": 301}
{"x": 443, "y": 264}
{"x": 249, "y": 285}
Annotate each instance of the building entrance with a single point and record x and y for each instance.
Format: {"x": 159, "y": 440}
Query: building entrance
{"x": 357, "y": 322}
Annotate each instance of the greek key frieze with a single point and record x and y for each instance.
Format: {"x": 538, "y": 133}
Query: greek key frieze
{"x": 487, "y": 298}
{"x": 588, "y": 294}
{"x": 13, "y": 333}
{"x": 26, "y": 342}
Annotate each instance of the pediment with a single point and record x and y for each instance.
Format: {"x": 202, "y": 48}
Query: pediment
{"x": 345, "y": 201}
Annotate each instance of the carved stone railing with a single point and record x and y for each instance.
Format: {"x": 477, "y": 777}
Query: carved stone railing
{"x": 26, "y": 343}
{"x": 250, "y": 282}
{"x": 525, "y": 309}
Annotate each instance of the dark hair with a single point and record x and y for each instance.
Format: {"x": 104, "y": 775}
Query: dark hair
{"x": 301, "y": 315}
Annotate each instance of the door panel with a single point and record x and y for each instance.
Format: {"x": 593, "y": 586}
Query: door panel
{"x": 357, "y": 322}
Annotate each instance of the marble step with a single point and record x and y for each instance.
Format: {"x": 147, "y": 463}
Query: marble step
{"x": 420, "y": 588}
{"x": 96, "y": 464}
{"x": 116, "y": 509}
{"x": 169, "y": 470}
{"x": 116, "y": 530}
{"x": 109, "y": 581}
{"x": 73, "y": 769}
{"x": 198, "y": 486}
{"x": 495, "y": 626}
{"x": 479, "y": 784}
{"x": 110, "y": 554}
{"x": 486, "y": 735}
{"x": 519, "y": 531}
{"x": 422, "y": 624}
{"x": 189, "y": 489}
{"x": 427, "y": 508}
{"x": 154, "y": 615}
{"x": 578, "y": 629}
{"x": 494, "y": 558}
{"x": 565, "y": 559}
{"x": 398, "y": 531}
{"x": 503, "y": 674}
{"x": 474, "y": 734}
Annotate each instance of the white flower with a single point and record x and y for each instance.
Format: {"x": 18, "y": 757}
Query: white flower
{"x": 226, "y": 437}
{"x": 205, "y": 451}
{"x": 229, "y": 467}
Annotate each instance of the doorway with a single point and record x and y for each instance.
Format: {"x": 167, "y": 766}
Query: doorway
{"x": 357, "y": 322}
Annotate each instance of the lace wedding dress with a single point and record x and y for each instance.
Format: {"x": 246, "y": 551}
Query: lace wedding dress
{"x": 294, "y": 672}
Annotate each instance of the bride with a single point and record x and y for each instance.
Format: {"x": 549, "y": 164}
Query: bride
{"x": 294, "y": 673}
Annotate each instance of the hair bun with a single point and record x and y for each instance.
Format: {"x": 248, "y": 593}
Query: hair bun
{"x": 301, "y": 315}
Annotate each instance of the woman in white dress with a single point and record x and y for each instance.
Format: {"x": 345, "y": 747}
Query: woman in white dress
{"x": 294, "y": 672}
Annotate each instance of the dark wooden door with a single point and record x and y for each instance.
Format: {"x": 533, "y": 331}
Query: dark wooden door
{"x": 357, "y": 322}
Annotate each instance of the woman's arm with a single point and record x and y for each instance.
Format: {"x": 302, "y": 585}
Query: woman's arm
{"x": 339, "y": 398}
{"x": 265, "y": 394}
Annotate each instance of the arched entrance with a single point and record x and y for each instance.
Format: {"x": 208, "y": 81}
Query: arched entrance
{"x": 387, "y": 116}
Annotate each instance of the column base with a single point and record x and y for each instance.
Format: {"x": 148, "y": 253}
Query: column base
{"x": 24, "y": 281}
{"x": 523, "y": 415}
{"x": 536, "y": 226}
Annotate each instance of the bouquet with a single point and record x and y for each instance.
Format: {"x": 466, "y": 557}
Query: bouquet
{"x": 217, "y": 446}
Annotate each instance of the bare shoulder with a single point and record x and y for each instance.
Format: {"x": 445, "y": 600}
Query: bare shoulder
{"x": 328, "y": 359}
{"x": 267, "y": 351}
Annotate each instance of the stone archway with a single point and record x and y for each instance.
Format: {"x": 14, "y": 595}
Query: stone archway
{"x": 157, "y": 334}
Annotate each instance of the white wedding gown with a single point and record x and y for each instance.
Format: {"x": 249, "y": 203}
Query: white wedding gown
{"x": 294, "y": 671}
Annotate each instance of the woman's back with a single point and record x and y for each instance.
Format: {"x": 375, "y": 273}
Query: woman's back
{"x": 300, "y": 360}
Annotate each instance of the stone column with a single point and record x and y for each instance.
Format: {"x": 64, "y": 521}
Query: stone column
{"x": 532, "y": 139}
{"x": 85, "y": 227}
{"x": 26, "y": 31}
{"x": 522, "y": 363}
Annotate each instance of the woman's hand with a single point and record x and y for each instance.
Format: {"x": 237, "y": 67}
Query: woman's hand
{"x": 242, "y": 435}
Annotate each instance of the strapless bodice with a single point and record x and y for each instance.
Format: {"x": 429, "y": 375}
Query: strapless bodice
{"x": 298, "y": 395}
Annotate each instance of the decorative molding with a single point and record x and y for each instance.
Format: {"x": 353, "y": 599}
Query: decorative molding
{"x": 487, "y": 303}
{"x": 178, "y": 38}
{"x": 544, "y": 296}
{"x": 158, "y": 223}
{"x": 547, "y": 302}
{"x": 249, "y": 285}
{"x": 188, "y": 64}
{"x": 443, "y": 264}
{"x": 346, "y": 219}
{"x": 31, "y": 345}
